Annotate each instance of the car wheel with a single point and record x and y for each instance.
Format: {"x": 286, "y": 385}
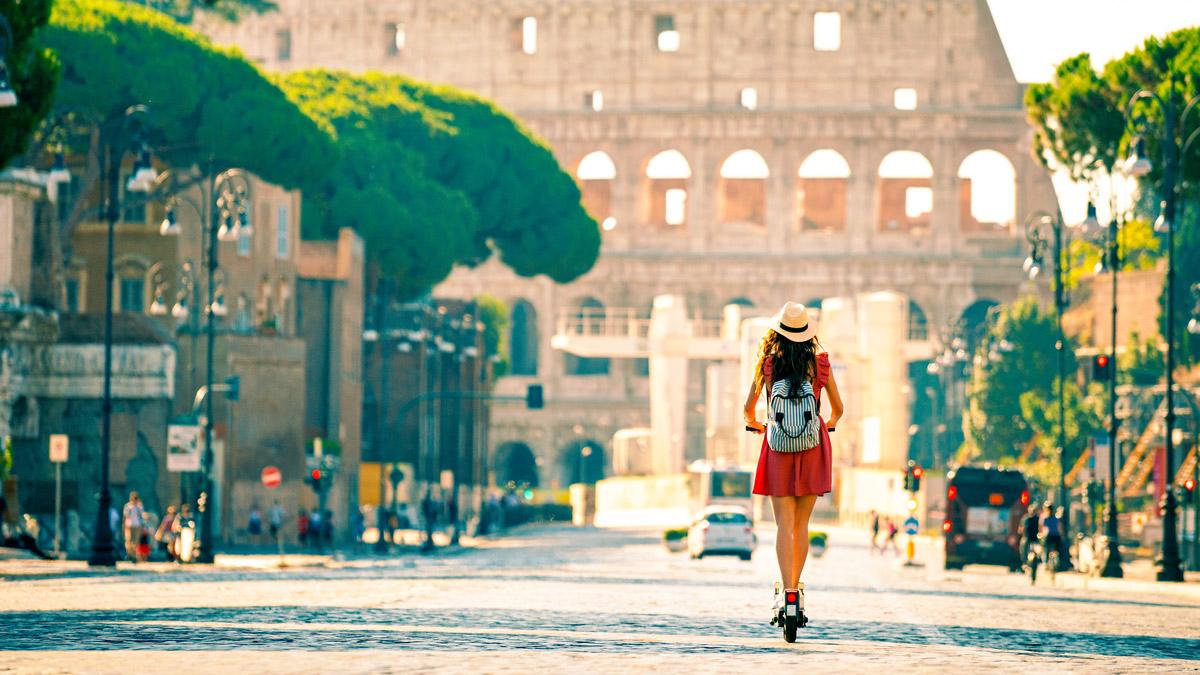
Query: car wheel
{"x": 745, "y": 556}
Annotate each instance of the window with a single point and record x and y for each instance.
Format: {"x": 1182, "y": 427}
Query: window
{"x": 72, "y": 293}
{"x": 905, "y": 98}
{"x": 243, "y": 242}
{"x": 594, "y": 99}
{"x": 748, "y": 98}
{"x": 827, "y": 31}
{"x": 133, "y": 294}
{"x": 397, "y": 38}
{"x": 918, "y": 202}
{"x": 281, "y": 232}
{"x": 676, "y": 203}
{"x": 283, "y": 45}
{"x": 666, "y": 38}
{"x": 529, "y": 35}
{"x": 242, "y": 318}
{"x": 133, "y": 205}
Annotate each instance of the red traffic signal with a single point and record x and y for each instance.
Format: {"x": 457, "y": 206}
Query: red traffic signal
{"x": 1101, "y": 368}
{"x": 918, "y": 471}
{"x": 1189, "y": 484}
{"x": 316, "y": 475}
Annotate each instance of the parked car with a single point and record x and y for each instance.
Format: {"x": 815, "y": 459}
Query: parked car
{"x": 722, "y": 530}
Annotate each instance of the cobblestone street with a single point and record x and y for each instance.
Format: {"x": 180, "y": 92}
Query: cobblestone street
{"x": 557, "y": 598}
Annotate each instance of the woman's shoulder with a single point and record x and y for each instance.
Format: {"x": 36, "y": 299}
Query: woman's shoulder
{"x": 823, "y": 357}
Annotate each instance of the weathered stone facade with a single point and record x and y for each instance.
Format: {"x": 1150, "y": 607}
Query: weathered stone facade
{"x": 634, "y": 79}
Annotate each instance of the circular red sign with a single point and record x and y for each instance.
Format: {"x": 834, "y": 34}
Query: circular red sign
{"x": 271, "y": 477}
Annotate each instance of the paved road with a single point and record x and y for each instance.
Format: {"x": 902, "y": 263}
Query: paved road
{"x": 558, "y": 598}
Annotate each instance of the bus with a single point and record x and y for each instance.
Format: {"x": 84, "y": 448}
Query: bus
{"x": 985, "y": 506}
{"x": 710, "y": 485}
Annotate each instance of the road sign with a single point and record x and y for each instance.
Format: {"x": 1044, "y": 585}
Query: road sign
{"x": 910, "y": 526}
{"x": 58, "y": 447}
{"x": 183, "y": 447}
{"x": 271, "y": 478}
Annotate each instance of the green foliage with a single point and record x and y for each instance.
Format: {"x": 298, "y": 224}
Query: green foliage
{"x": 1084, "y": 412}
{"x": 1079, "y": 118}
{"x": 33, "y": 71}
{"x": 432, "y": 177}
{"x": 493, "y": 312}
{"x": 6, "y": 460}
{"x": 1140, "y": 247}
{"x": 1142, "y": 362}
{"x": 185, "y": 11}
{"x": 206, "y": 104}
{"x": 995, "y": 423}
{"x": 675, "y": 534}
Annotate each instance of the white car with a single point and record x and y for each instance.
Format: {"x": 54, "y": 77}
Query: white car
{"x": 724, "y": 530}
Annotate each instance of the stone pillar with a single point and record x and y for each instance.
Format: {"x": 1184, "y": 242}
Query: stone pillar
{"x": 881, "y": 331}
{"x": 669, "y": 335}
{"x": 860, "y": 200}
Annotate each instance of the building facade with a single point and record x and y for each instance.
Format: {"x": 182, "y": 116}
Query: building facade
{"x": 732, "y": 151}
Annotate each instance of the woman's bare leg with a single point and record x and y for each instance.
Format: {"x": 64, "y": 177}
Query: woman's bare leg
{"x": 804, "y": 508}
{"x": 785, "y": 545}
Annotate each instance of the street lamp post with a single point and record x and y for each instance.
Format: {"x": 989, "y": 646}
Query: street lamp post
{"x": 103, "y": 549}
{"x": 1039, "y": 240}
{"x": 226, "y": 219}
{"x": 1169, "y": 563}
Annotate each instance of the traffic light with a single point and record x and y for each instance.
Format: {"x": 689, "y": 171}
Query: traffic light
{"x": 533, "y": 397}
{"x": 917, "y": 472}
{"x": 314, "y": 480}
{"x": 1101, "y": 368}
{"x": 912, "y": 476}
{"x": 1189, "y": 490}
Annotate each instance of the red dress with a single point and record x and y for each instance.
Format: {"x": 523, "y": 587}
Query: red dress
{"x": 795, "y": 474}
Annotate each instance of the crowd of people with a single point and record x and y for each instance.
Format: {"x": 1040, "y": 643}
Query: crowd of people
{"x": 144, "y": 533}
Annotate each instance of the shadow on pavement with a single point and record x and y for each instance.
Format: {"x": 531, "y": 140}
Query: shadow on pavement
{"x": 446, "y": 630}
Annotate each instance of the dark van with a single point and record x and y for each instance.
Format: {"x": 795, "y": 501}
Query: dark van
{"x": 984, "y": 509}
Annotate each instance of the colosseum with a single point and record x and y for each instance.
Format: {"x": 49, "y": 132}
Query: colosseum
{"x": 736, "y": 152}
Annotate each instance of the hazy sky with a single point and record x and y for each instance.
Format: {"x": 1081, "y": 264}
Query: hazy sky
{"x": 1038, "y": 34}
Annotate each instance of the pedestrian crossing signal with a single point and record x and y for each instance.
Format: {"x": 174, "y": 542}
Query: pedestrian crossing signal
{"x": 1101, "y": 368}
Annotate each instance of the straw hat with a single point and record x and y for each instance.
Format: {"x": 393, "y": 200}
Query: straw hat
{"x": 792, "y": 323}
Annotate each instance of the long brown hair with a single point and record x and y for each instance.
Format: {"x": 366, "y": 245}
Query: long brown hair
{"x": 788, "y": 359}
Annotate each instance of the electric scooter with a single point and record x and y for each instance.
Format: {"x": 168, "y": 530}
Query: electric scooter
{"x": 790, "y": 615}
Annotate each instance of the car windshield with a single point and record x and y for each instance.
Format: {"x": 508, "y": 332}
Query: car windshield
{"x": 723, "y": 517}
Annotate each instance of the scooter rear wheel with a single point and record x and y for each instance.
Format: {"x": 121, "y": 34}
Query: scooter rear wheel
{"x": 789, "y": 628}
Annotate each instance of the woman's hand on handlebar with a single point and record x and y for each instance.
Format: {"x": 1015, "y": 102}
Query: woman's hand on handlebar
{"x": 755, "y": 427}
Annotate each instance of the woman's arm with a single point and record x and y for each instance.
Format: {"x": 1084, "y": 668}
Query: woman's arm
{"x": 835, "y": 402}
{"x": 751, "y": 404}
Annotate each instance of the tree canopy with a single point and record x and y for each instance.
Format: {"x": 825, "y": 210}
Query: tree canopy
{"x": 1018, "y": 357}
{"x": 205, "y": 103}
{"x": 432, "y": 177}
{"x": 185, "y": 11}
{"x": 33, "y": 71}
{"x": 1079, "y": 120}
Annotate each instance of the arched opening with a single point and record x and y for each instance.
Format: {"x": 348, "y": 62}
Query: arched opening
{"x": 590, "y": 313}
{"x": 741, "y": 301}
{"x": 516, "y": 466}
{"x": 905, "y": 192}
{"x": 595, "y": 174}
{"x": 583, "y": 462}
{"x": 918, "y": 323}
{"x": 974, "y": 321}
{"x": 523, "y": 338}
{"x": 742, "y": 194}
{"x": 665, "y": 189}
{"x": 814, "y": 303}
{"x": 821, "y": 192}
{"x": 987, "y": 192}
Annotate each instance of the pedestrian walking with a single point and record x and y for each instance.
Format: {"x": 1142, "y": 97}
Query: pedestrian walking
{"x": 327, "y": 529}
{"x": 892, "y": 531}
{"x": 254, "y": 525}
{"x": 874, "y": 530}
{"x": 165, "y": 534}
{"x": 302, "y": 525}
{"x": 133, "y": 523}
{"x": 275, "y": 518}
{"x": 429, "y": 514}
{"x": 790, "y": 356}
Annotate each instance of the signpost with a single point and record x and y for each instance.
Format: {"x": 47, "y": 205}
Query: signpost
{"x": 271, "y": 478}
{"x": 183, "y": 447}
{"x": 59, "y": 445}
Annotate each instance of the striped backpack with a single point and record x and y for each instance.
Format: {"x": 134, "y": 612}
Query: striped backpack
{"x": 795, "y": 424}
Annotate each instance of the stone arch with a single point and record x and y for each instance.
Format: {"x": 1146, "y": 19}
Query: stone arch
{"x": 974, "y": 320}
{"x": 516, "y": 464}
{"x": 583, "y": 461}
{"x": 821, "y": 191}
{"x": 595, "y": 174}
{"x": 665, "y": 189}
{"x": 742, "y": 192}
{"x": 904, "y": 192}
{"x": 590, "y": 313}
{"x": 523, "y": 338}
{"x": 987, "y": 192}
{"x": 918, "y": 323}
{"x": 741, "y": 301}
